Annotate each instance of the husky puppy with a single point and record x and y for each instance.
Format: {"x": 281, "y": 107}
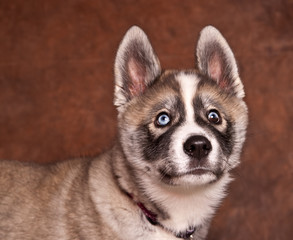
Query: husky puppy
{"x": 180, "y": 133}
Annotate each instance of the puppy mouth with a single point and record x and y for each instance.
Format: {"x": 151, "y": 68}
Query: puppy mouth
{"x": 196, "y": 172}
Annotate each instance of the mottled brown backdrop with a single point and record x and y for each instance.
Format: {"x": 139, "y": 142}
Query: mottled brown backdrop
{"x": 56, "y": 89}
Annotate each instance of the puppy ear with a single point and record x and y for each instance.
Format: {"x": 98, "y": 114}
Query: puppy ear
{"x": 216, "y": 60}
{"x": 136, "y": 66}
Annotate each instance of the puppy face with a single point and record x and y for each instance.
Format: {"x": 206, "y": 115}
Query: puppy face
{"x": 180, "y": 128}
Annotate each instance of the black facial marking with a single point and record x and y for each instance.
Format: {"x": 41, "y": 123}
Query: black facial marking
{"x": 198, "y": 105}
{"x": 157, "y": 147}
{"x": 225, "y": 138}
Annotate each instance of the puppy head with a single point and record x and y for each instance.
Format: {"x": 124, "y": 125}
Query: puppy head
{"x": 179, "y": 127}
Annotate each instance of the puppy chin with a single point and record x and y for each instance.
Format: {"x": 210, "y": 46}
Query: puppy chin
{"x": 197, "y": 177}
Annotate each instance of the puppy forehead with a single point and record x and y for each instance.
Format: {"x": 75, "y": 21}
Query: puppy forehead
{"x": 188, "y": 85}
{"x": 183, "y": 82}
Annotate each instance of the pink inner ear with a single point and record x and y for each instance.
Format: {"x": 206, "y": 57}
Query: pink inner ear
{"x": 137, "y": 74}
{"x": 215, "y": 68}
{"x": 216, "y": 71}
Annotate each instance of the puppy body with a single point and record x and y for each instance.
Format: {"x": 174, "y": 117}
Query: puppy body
{"x": 180, "y": 133}
{"x": 72, "y": 200}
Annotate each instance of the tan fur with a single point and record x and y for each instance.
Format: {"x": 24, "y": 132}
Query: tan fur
{"x": 76, "y": 199}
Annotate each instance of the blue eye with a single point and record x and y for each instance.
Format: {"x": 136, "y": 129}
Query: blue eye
{"x": 214, "y": 116}
{"x": 162, "y": 120}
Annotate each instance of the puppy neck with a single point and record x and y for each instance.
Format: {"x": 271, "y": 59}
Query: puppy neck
{"x": 177, "y": 210}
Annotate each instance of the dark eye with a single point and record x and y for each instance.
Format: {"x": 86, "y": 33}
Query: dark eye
{"x": 162, "y": 119}
{"x": 214, "y": 117}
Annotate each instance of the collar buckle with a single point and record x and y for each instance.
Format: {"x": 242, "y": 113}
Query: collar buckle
{"x": 188, "y": 234}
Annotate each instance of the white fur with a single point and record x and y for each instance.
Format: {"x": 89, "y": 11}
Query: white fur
{"x": 188, "y": 84}
{"x": 188, "y": 207}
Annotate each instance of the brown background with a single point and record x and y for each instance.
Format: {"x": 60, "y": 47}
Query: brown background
{"x": 56, "y": 89}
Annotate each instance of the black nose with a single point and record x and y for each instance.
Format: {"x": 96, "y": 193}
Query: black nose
{"x": 197, "y": 147}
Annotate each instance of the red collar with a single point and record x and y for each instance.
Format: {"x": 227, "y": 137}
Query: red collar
{"x": 152, "y": 218}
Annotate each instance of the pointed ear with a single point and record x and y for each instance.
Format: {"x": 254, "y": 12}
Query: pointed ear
{"x": 216, "y": 60}
{"x": 136, "y": 66}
